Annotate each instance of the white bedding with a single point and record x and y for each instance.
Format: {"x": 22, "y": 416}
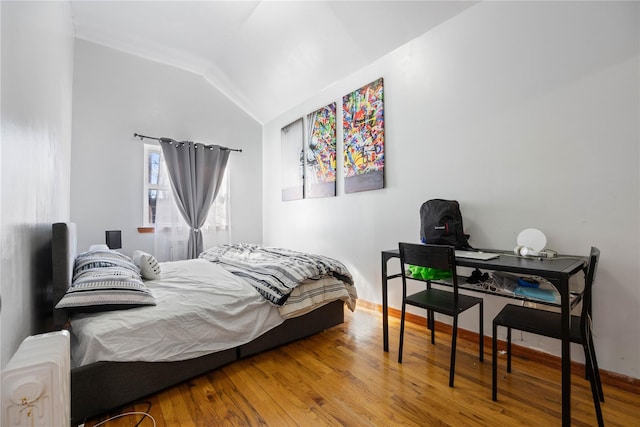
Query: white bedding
{"x": 312, "y": 294}
{"x": 219, "y": 311}
{"x": 200, "y": 308}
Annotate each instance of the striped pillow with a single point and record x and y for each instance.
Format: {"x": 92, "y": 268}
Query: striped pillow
{"x": 148, "y": 265}
{"x": 103, "y": 281}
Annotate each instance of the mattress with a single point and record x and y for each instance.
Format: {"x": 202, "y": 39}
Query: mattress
{"x": 200, "y": 308}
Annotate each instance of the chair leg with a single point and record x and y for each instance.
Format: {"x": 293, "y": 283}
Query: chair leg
{"x": 481, "y": 333}
{"x": 594, "y": 388}
{"x": 587, "y": 353}
{"x": 589, "y": 370}
{"x": 509, "y": 350}
{"x": 595, "y": 370}
{"x": 401, "y": 331}
{"x": 433, "y": 326}
{"x": 494, "y": 364}
{"x": 586, "y": 371}
{"x": 588, "y": 366}
{"x": 454, "y": 334}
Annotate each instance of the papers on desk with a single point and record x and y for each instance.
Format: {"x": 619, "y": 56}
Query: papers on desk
{"x": 508, "y": 283}
{"x": 476, "y": 255}
{"x": 550, "y": 295}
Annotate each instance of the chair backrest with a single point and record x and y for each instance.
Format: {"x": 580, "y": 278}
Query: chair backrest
{"x": 589, "y": 280}
{"x": 441, "y": 257}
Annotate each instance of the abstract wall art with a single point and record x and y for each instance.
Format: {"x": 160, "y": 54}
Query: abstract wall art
{"x": 363, "y": 137}
{"x": 320, "y": 173}
{"x": 292, "y": 166}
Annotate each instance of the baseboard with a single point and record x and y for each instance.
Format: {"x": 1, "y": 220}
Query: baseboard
{"x": 610, "y": 378}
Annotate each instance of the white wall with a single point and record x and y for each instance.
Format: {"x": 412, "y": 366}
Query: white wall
{"x": 526, "y": 113}
{"x": 37, "y": 73}
{"x": 117, "y": 95}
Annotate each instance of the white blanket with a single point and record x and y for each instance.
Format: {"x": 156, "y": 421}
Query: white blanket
{"x": 201, "y": 308}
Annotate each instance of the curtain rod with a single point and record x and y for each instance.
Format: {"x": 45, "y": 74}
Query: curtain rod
{"x": 137, "y": 135}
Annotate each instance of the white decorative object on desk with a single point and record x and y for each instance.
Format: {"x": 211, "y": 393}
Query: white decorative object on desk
{"x": 530, "y": 242}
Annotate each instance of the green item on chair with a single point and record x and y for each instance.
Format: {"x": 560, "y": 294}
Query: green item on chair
{"x": 427, "y": 273}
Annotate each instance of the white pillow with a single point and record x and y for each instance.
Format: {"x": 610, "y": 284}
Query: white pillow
{"x": 148, "y": 265}
{"x": 100, "y": 247}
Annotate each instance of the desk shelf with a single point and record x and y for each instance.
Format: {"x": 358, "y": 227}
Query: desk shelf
{"x": 463, "y": 284}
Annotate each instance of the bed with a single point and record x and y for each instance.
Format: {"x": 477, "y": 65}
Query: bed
{"x": 122, "y": 355}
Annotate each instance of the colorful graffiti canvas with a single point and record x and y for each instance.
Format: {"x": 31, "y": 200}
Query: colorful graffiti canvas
{"x": 292, "y": 166}
{"x": 320, "y": 173}
{"x": 363, "y": 134}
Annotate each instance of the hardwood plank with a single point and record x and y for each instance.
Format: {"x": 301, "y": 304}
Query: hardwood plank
{"x": 342, "y": 377}
{"x": 174, "y": 407}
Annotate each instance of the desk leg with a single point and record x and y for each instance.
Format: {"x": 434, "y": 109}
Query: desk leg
{"x": 385, "y": 306}
{"x": 566, "y": 354}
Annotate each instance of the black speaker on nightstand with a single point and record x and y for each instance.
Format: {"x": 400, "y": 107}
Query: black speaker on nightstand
{"x": 114, "y": 239}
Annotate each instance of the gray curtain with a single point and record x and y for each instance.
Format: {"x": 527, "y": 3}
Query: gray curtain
{"x": 195, "y": 172}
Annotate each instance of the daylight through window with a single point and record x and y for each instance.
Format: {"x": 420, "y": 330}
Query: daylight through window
{"x": 156, "y": 186}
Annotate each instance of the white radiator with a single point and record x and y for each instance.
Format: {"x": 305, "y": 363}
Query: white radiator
{"x": 36, "y": 389}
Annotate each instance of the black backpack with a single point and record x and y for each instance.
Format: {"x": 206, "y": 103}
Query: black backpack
{"x": 441, "y": 224}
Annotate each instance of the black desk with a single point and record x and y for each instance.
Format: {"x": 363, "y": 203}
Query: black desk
{"x": 557, "y": 271}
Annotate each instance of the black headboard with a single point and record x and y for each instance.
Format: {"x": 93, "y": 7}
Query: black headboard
{"x": 63, "y": 251}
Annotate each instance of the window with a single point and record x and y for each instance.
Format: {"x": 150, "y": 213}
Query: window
{"x": 218, "y": 218}
{"x": 157, "y": 193}
{"x": 156, "y": 185}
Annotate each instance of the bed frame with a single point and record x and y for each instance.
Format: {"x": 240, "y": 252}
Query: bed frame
{"x": 103, "y": 386}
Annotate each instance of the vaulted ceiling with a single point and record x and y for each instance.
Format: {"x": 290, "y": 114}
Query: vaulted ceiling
{"x": 266, "y": 56}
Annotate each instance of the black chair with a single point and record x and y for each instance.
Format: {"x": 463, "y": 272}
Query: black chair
{"x": 548, "y": 323}
{"x": 436, "y": 300}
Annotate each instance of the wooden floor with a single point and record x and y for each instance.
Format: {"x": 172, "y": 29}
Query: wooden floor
{"x": 342, "y": 377}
